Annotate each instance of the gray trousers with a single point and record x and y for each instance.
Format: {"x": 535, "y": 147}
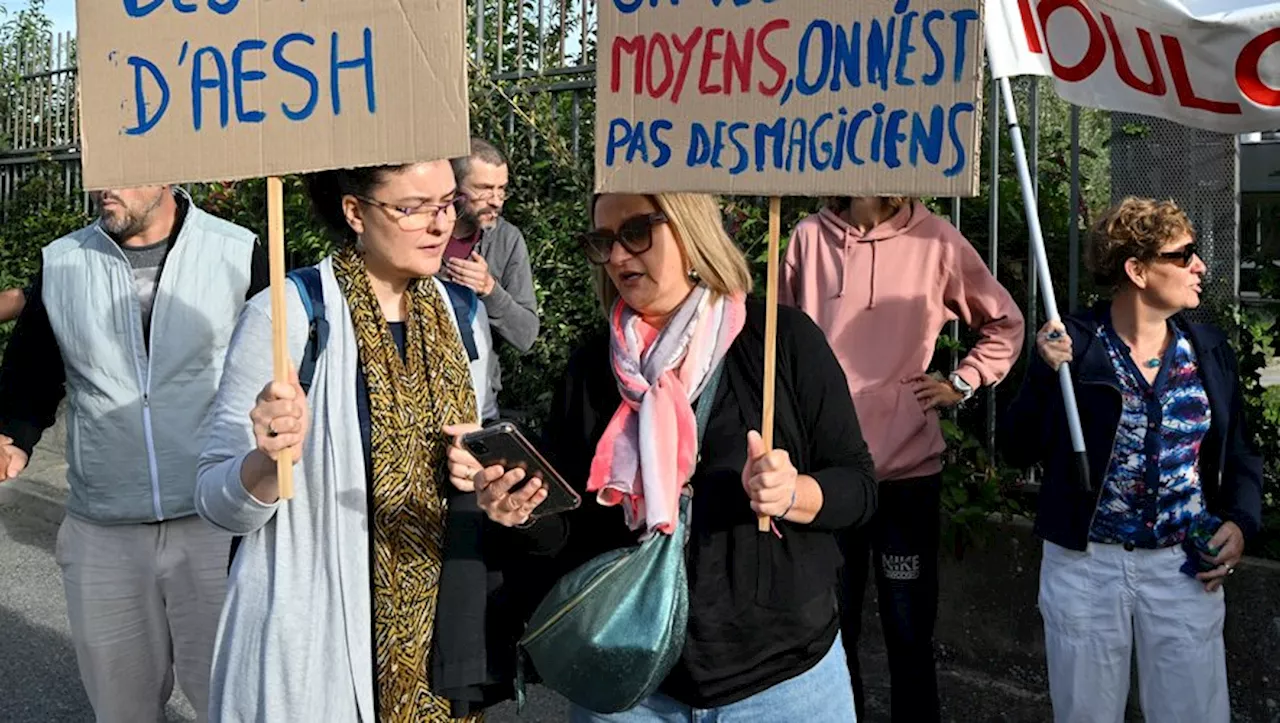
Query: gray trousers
{"x": 143, "y": 601}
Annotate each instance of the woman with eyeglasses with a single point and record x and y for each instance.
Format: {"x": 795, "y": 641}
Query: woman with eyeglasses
{"x": 763, "y": 630}
{"x": 1138, "y": 557}
{"x": 359, "y": 598}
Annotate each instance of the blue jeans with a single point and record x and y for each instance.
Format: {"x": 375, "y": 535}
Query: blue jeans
{"x": 819, "y": 695}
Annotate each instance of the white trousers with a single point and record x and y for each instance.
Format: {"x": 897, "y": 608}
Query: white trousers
{"x": 1097, "y": 604}
{"x": 143, "y": 601}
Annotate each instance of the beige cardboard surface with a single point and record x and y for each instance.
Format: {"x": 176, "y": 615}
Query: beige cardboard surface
{"x": 789, "y": 97}
{"x": 200, "y": 90}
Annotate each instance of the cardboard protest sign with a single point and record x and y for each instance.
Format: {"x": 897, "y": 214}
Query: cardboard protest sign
{"x": 796, "y": 97}
{"x": 195, "y": 90}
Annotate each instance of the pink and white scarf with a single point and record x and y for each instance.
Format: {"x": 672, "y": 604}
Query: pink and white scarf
{"x": 649, "y": 450}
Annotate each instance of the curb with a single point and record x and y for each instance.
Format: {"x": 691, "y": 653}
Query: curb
{"x": 36, "y": 498}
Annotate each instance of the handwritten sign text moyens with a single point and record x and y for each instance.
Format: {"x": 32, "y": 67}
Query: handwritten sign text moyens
{"x": 789, "y": 96}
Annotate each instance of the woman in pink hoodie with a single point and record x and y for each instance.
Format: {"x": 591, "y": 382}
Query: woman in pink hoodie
{"x": 882, "y": 276}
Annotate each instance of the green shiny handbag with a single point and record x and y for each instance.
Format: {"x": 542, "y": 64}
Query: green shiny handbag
{"x": 609, "y": 632}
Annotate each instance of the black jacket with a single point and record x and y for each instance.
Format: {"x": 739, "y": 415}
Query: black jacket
{"x": 1034, "y": 430}
{"x": 762, "y": 609}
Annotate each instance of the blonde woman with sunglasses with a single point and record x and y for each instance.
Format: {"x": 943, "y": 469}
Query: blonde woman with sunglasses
{"x": 762, "y": 640}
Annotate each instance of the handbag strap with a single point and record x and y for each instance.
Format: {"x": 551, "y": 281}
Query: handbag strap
{"x": 708, "y": 398}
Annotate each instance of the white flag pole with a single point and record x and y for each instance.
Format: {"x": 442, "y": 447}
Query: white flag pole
{"x": 1046, "y": 281}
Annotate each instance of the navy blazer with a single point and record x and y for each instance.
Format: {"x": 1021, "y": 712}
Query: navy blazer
{"x": 1034, "y": 430}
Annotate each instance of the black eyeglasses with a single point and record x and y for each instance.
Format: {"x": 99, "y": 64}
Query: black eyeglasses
{"x": 419, "y": 217}
{"x": 1182, "y": 257}
{"x": 635, "y": 234}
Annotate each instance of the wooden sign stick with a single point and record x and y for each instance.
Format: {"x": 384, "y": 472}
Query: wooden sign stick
{"x": 279, "y": 329}
{"x": 770, "y": 333}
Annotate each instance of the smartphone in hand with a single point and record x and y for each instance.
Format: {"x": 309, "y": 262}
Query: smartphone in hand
{"x": 460, "y": 248}
{"x": 502, "y": 444}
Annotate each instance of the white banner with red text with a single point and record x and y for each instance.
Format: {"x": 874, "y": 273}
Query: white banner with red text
{"x": 1212, "y": 64}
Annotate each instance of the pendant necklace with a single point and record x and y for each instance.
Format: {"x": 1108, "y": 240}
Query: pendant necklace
{"x": 1153, "y": 362}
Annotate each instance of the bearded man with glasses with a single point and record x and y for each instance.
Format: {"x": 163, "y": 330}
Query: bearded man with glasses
{"x": 488, "y": 253}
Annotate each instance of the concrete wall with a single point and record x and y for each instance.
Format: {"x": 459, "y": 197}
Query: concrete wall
{"x": 989, "y": 621}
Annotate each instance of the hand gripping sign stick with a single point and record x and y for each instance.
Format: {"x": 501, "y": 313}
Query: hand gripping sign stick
{"x": 279, "y": 330}
{"x": 634, "y": 118}
{"x": 1046, "y": 281}
{"x": 129, "y": 140}
{"x": 770, "y": 335}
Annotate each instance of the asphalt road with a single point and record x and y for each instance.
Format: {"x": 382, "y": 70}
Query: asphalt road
{"x": 38, "y": 677}
{"x": 39, "y": 682}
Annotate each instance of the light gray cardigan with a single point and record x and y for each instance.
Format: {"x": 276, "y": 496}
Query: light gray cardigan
{"x": 295, "y": 642}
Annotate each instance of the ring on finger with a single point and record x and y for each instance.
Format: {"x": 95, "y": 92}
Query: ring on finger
{"x": 271, "y": 430}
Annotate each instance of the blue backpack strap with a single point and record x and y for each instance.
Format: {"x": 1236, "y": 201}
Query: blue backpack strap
{"x": 310, "y": 288}
{"x": 464, "y": 302}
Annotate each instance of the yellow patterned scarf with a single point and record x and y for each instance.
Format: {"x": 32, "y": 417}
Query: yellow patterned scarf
{"x": 410, "y": 400}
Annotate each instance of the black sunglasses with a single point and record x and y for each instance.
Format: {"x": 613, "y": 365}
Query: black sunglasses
{"x": 635, "y": 234}
{"x": 1181, "y": 257}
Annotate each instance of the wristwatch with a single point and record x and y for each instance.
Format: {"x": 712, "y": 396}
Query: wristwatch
{"x": 960, "y": 385}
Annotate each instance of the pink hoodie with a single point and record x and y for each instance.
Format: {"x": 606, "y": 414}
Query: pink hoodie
{"x": 882, "y": 299}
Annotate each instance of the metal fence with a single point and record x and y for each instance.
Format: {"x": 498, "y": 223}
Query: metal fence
{"x": 1198, "y": 170}
{"x": 40, "y": 121}
{"x": 506, "y": 32}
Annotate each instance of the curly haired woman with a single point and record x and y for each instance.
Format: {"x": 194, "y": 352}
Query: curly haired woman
{"x": 1142, "y": 556}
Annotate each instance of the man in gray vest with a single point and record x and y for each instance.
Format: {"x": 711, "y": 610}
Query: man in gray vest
{"x": 488, "y": 253}
{"x": 130, "y": 319}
